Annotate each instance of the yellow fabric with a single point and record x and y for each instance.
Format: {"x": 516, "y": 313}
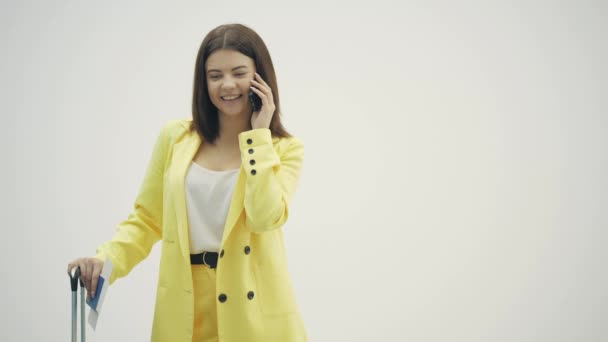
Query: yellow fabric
{"x": 258, "y": 210}
{"x": 205, "y": 306}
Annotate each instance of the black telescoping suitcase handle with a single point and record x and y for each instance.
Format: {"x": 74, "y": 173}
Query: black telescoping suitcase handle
{"x": 74, "y": 280}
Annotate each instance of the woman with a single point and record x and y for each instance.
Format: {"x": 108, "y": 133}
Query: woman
{"x": 217, "y": 192}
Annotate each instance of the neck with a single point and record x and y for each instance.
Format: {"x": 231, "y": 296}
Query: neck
{"x": 230, "y": 127}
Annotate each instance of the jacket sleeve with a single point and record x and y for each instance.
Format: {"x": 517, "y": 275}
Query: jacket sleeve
{"x": 271, "y": 180}
{"x": 135, "y": 236}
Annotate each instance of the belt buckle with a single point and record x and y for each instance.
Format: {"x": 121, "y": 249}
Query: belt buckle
{"x": 204, "y": 262}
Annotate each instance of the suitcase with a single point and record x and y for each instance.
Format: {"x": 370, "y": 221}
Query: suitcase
{"x": 74, "y": 280}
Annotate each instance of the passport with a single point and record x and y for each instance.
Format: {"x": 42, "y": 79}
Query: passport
{"x": 103, "y": 284}
{"x": 94, "y": 301}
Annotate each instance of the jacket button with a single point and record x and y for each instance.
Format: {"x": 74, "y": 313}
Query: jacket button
{"x": 222, "y": 298}
{"x": 247, "y": 249}
{"x": 252, "y": 162}
{"x": 253, "y": 172}
{"x": 249, "y": 141}
{"x": 222, "y": 254}
{"x": 250, "y": 295}
{"x": 250, "y": 151}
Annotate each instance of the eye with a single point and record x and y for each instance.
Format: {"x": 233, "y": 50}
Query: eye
{"x": 213, "y": 77}
{"x": 241, "y": 74}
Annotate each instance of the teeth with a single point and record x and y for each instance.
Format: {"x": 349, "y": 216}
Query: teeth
{"x": 231, "y": 97}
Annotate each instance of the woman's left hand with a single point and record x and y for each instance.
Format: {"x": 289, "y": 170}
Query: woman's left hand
{"x": 262, "y": 118}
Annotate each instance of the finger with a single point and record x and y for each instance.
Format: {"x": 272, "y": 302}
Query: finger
{"x": 83, "y": 272}
{"x": 87, "y": 277}
{"x": 90, "y": 269}
{"x": 95, "y": 278}
{"x": 265, "y": 88}
{"x": 265, "y": 102}
{"x": 259, "y": 92}
{"x": 261, "y": 80}
{"x": 73, "y": 264}
{"x": 259, "y": 86}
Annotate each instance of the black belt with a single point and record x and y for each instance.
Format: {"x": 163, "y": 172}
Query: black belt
{"x": 204, "y": 258}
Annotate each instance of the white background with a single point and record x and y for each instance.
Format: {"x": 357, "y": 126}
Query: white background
{"x": 454, "y": 185}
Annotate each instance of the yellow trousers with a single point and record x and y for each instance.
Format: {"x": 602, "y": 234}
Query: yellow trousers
{"x": 205, "y": 304}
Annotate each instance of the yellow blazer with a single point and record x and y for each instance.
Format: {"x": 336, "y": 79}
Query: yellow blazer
{"x": 258, "y": 210}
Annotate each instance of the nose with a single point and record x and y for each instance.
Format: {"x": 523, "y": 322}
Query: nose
{"x": 228, "y": 83}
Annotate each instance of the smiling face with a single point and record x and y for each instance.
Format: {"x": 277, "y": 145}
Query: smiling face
{"x": 229, "y": 74}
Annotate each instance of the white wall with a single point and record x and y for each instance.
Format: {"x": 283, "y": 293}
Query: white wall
{"x": 454, "y": 186}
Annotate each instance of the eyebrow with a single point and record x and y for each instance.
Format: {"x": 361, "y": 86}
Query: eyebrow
{"x": 238, "y": 67}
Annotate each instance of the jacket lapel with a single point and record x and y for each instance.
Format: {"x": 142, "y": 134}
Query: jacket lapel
{"x": 183, "y": 154}
{"x": 236, "y": 204}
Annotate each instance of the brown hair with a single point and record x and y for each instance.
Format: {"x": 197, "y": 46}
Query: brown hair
{"x": 237, "y": 37}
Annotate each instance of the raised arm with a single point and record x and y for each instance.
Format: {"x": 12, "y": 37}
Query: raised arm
{"x": 272, "y": 179}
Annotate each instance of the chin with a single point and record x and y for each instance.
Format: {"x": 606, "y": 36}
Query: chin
{"x": 242, "y": 112}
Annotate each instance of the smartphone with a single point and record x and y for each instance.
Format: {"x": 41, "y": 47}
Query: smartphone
{"x": 256, "y": 102}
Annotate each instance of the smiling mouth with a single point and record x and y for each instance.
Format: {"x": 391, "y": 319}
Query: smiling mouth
{"x": 230, "y": 98}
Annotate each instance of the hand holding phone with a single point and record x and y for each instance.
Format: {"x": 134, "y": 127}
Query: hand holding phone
{"x": 256, "y": 102}
{"x": 262, "y": 102}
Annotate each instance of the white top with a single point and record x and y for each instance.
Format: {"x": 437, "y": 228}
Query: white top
{"x": 208, "y": 196}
